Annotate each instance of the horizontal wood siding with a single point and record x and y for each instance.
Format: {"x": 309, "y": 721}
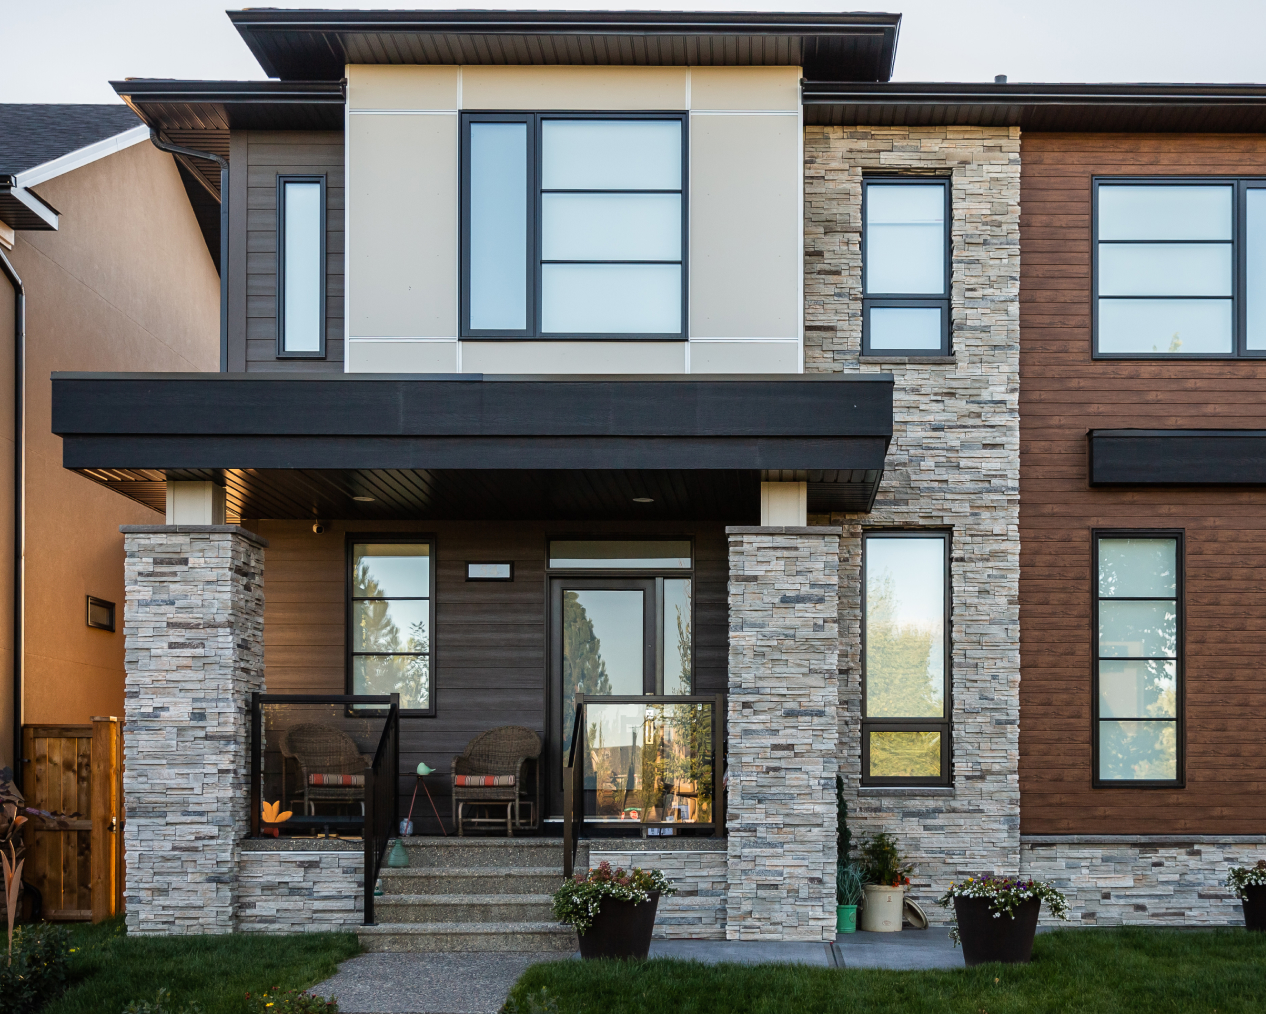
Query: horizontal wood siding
{"x": 490, "y": 637}
{"x": 1064, "y": 393}
{"x": 288, "y": 153}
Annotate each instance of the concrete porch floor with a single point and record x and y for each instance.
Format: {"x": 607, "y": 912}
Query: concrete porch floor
{"x": 478, "y": 983}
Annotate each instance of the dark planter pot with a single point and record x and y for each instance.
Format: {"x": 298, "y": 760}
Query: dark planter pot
{"x": 985, "y": 938}
{"x": 1254, "y": 902}
{"x": 621, "y": 929}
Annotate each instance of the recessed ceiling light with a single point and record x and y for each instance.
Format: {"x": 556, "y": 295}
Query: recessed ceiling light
{"x": 364, "y": 499}
{"x": 643, "y": 499}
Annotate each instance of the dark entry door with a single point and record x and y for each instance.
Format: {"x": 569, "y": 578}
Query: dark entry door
{"x": 602, "y": 641}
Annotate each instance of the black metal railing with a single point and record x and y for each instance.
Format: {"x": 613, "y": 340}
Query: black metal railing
{"x": 653, "y": 761}
{"x": 382, "y": 781}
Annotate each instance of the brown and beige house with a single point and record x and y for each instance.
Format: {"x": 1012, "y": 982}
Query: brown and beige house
{"x": 680, "y": 392}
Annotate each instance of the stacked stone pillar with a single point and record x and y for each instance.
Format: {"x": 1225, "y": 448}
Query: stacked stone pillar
{"x": 194, "y": 628}
{"x": 783, "y": 732}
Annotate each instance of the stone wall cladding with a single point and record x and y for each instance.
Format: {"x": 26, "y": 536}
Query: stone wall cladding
{"x": 300, "y": 892}
{"x": 697, "y": 910}
{"x": 194, "y": 652}
{"x": 953, "y": 463}
{"x": 782, "y": 731}
{"x": 1142, "y": 881}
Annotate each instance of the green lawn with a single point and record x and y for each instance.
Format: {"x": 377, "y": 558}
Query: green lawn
{"x": 1105, "y": 971}
{"x": 109, "y": 968}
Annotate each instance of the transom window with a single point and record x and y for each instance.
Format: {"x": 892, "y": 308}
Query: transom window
{"x": 573, "y": 226}
{"x": 905, "y": 659}
{"x": 391, "y": 615}
{"x": 905, "y": 266}
{"x": 1180, "y": 268}
{"x": 1137, "y": 657}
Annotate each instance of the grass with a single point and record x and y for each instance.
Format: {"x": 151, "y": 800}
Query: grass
{"x": 1104, "y": 971}
{"x": 109, "y": 968}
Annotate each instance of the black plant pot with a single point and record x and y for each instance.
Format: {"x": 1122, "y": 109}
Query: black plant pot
{"x": 621, "y": 929}
{"x": 1254, "y": 902}
{"x": 984, "y": 938}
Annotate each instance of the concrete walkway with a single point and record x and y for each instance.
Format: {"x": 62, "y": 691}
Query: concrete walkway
{"x": 478, "y": 983}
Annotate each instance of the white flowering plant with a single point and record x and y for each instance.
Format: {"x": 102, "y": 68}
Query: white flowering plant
{"x": 579, "y": 900}
{"x": 1005, "y": 895}
{"x": 1240, "y": 877}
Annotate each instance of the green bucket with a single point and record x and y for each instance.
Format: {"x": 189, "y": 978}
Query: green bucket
{"x": 845, "y": 918}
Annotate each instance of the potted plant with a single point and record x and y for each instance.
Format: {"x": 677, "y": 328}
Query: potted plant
{"x": 613, "y": 911}
{"x": 1249, "y": 883}
{"x": 849, "y": 883}
{"x": 995, "y": 917}
{"x": 887, "y": 875}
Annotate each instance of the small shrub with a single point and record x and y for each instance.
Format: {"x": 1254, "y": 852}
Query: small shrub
{"x": 540, "y": 1002}
{"x": 292, "y": 1001}
{"x": 883, "y": 862}
{"x": 161, "y": 1005}
{"x": 578, "y": 900}
{"x": 37, "y": 970}
{"x": 1240, "y": 877}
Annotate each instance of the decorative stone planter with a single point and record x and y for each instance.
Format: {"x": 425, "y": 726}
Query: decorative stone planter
{"x": 1254, "y": 902}
{"x": 984, "y": 938}
{"x": 845, "y": 918}
{"x": 621, "y": 929}
{"x": 881, "y": 912}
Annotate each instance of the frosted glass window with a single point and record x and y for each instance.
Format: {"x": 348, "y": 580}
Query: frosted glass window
{"x": 905, "y": 327}
{"x": 904, "y": 754}
{"x": 905, "y": 239}
{"x": 617, "y": 555}
{"x": 498, "y": 226}
{"x": 1165, "y": 269}
{"x": 302, "y": 268}
{"x": 611, "y": 298}
{"x": 611, "y": 227}
{"x": 1164, "y": 212}
{"x": 1138, "y": 658}
{"x": 610, "y": 154}
{"x": 1152, "y": 326}
{"x": 1255, "y": 287}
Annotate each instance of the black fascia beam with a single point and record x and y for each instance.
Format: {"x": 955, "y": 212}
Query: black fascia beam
{"x": 21, "y": 209}
{"x": 1177, "y": 457}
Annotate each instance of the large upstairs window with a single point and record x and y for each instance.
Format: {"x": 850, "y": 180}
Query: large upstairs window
{"x": 905, "y": 266}
{"x": 573, "y": 226}
{"x": 1180, "y": 268}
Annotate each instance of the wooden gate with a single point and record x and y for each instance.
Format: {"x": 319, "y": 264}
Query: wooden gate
{"x": 75, "y": 770}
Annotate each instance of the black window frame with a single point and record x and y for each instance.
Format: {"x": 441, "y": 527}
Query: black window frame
{"x": 1179, "y": 719}
{"x": 105, "y": 604}
{"x": 905, "y": 299}
{"x": 535, "y": 121}
{"x": 351, "y": 540}
{"x": 1239, "y": 263}
{"x": 282, "y": 180}
{"x": 944, "y": 724}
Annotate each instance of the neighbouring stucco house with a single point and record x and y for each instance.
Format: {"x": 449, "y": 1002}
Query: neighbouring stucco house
{"x": 683, "y": 360}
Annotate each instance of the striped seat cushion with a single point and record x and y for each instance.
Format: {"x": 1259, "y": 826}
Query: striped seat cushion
{"x": 483, "y": 780}
{"x": 358, "y": 780}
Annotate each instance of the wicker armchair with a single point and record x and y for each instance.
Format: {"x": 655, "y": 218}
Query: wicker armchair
{"x": 330, "y": 762}
{"x": 497, "y": 761}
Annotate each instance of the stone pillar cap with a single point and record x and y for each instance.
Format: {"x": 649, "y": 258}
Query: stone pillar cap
{"x": 194, "y": 530}
{"x": 783, "y": 530}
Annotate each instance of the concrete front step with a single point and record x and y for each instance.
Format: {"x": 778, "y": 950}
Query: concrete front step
{"x": 470, "y": 852}
{"x": 468, "y": 936}
{"x": 463, "y": 908}
{"x": 477, "y": 880}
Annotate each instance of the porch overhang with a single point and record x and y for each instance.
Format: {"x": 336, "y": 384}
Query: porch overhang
{"x": 479, "y": 446}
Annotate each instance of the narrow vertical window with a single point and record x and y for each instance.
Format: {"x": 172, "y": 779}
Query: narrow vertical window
{"x": 905, "y": 660}
{"x": 1137, "y": 657}
{"x": 497, "y": 225}
{"x": 1255, "y": 268}
{"x": 905, "y": 266}
{"x": 301, "y": 266}
{"x": 391, "y": 615}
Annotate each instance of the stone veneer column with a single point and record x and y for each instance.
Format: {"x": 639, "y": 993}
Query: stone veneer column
{"x": 194, "y": 628}
{"x": 783, "y": 731}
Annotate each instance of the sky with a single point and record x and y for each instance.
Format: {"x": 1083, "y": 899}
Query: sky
{"x": 68, "y": 50}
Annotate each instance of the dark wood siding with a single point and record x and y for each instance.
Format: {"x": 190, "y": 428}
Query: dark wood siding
{"x": 490, "y": 638}
{"x": 1064, "y": 393}
{"x": 269, "y": 155}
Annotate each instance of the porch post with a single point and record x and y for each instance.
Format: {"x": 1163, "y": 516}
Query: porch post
{"x": 194, "y": 641}
{"x": 783, "y": 699}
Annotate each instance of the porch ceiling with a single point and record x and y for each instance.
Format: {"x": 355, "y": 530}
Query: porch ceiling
{"x": 471, "y": 446}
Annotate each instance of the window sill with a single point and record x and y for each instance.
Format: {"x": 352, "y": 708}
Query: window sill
{"x": 912, "y": 360}
{"x": 906, "y": 791}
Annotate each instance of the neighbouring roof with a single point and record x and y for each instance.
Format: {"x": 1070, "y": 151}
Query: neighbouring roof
{"x": 32, "y": 134}
{"x": 316, "y": 44}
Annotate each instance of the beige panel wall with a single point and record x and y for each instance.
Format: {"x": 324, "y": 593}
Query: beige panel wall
{"x": 745, "y": 183}
{"x": 125, "y": 284}
{"x": 402, "y": 244}
{"x": 399, "y": 355}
